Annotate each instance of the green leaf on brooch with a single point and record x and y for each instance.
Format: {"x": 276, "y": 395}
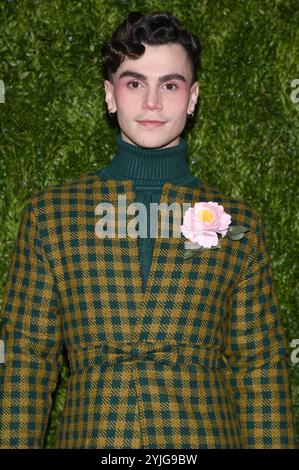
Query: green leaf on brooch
{"x": 188, "y": 254}
{"x": 237, "y": 236}
{"x": 215, "y": 247}
{"x": 192, "y": 246}
{"x": 237, "y": 229}
{"x": 236, "y": 232}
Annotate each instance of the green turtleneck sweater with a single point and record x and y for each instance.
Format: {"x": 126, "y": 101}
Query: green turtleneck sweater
{"x": 149, "y": 169}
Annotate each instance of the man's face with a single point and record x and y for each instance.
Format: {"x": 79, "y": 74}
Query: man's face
{"x": 139, "y": 93}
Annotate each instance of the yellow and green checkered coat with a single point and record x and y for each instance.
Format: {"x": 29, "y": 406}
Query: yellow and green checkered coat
{"x": 197, "y": 360}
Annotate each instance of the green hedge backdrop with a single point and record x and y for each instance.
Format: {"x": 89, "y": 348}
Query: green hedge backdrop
{"x": 244, "y": 141}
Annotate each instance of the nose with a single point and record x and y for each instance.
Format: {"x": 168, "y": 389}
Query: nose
{"x": 152, "y": 99}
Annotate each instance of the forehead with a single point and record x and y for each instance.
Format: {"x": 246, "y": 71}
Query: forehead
{"x": 159, "y": 60}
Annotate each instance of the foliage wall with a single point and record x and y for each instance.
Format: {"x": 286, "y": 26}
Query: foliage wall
{"x": 245, "y": 136}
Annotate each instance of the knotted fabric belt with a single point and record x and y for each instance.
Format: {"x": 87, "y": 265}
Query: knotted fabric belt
{"x": 109, "y": 353}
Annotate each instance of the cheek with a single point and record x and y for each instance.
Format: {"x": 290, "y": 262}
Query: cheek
{"x": 180, "y": 100}
{"x": 176, "y": 102}
{"x": 123, "y": 97}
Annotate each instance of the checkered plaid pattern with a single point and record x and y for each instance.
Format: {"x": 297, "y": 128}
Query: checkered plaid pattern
{"x": 196, "y": 360}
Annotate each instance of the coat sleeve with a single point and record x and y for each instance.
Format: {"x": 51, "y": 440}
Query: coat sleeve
{"x": 33, "y": 341}
{"x": 257, "y": 355}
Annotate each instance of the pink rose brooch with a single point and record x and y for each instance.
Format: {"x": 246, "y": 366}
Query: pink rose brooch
{"x": 202, "y": 224}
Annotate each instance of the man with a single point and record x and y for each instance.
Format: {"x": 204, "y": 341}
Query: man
{"x": 169, "y": 347}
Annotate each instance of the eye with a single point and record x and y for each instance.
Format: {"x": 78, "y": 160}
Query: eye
{"x": 133, "y": 82}
{"x": 172, "y": 85}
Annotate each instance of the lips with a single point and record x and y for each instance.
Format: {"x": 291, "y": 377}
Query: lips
{"x": 151, "y": 123}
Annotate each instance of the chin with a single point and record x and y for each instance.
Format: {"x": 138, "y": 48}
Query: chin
{"x": 149, "y": 138}
{"x": 151, "y": 141}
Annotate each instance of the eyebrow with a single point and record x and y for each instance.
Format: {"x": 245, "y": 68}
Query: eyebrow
{"x": 164, "y": 78}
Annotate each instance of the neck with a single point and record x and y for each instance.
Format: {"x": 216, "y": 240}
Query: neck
{"x": 147, "y": 165}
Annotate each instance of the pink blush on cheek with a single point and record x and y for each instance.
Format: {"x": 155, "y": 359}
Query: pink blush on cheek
{"x": 121, "y": 88}
{"x": 123, "y": 95}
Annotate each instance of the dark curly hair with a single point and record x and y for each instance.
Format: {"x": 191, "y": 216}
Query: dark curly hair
{"x": 153, "y": 29}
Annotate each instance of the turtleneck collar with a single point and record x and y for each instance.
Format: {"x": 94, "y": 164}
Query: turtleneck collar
{"x": 148, "y": 165}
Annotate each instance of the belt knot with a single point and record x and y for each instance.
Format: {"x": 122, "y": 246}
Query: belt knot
{"x": 107, "y": 354}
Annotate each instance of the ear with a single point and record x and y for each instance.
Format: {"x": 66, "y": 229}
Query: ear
{"x": 194, "y": 93}
{"x": 109, "y": 96}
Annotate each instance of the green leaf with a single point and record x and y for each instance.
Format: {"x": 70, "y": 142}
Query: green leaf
{"x": 236, "y": 236}
{"x": 188, "y": 254}
{"x": 192, "y": 246}
{"x": 215, "y": 247}
{"x": 24, "y": 75}
{"x": 236, "y": 229}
